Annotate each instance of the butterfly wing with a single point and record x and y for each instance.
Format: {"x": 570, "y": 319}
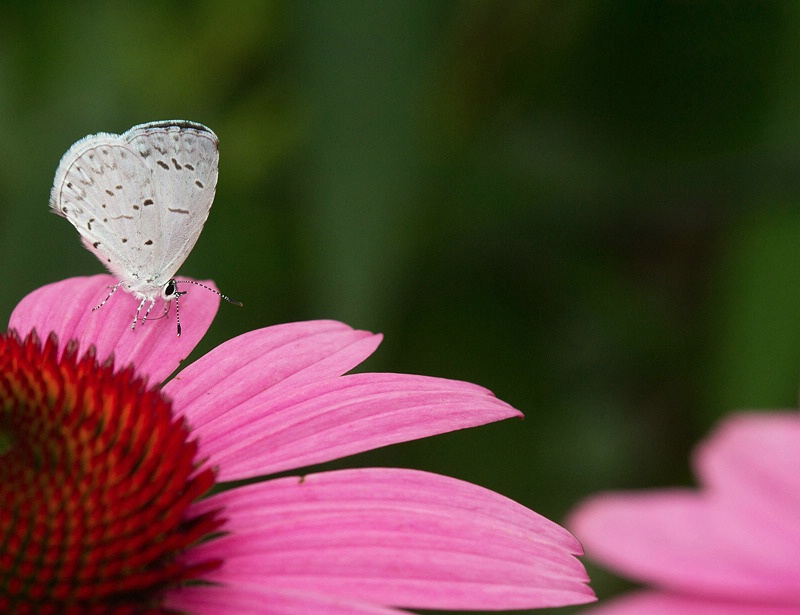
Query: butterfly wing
{"x": 97, "y": 185}
{"x": 139, "y": 200}
{"x": 183, "y": 159}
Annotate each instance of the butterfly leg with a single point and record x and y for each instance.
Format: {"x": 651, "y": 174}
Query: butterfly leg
{"x": 103, "y": 302}
{"x": 149, "y": 307}
{"x": 138, "y": 311}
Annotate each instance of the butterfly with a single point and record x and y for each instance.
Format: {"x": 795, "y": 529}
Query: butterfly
{"x": 139, "y": 201}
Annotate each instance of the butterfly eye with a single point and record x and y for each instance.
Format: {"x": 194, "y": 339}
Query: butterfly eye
{"x": 171, "y": 290}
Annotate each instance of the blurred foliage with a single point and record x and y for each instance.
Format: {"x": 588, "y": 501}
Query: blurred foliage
{"x": 590, "y": 207}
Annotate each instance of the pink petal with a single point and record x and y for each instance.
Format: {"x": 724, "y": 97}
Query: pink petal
{"x": 336, "y": 417}
{"x": 654, "y": 603}
{"x": 258, "y": 599}
{"x": 689, "y": 543}
{"x": 752, "y": 462}
{"x": 735, "y": 539}
{"x": 65, "y": 308}
{"x": 394, "y": 537}
{"x": 274, "y": 359}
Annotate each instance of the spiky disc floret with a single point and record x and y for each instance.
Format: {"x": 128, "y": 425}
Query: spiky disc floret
{"x": 96, "y": 483}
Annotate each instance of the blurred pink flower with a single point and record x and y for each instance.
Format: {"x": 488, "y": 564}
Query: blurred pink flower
{"x": 732, "y": 547}
{"x": 272, "y": 400}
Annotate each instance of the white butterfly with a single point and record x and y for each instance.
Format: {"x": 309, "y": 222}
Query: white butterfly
{"x": 139, "y": 201}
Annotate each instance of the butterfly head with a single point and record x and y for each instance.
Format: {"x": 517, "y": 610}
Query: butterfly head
{"x": 170, "y": 290}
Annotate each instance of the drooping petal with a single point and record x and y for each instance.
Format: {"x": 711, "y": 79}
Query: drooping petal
{"x": 65, "y": 308}
{"x": 274, "y": 360}
{"x": 338, "y": 417}
{"x": 752, "y": 463}
{"x": 394, "y": 537}
{"x": 687, "y": 542}
{"x": 655, "y": 603}
{"x": 260, "y": 599}
{"x": 734, "y": 539}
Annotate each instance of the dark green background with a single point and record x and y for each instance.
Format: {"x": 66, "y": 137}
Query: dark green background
{"x": 592, "y": 208}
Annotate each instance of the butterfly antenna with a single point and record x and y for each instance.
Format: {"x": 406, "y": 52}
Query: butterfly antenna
{"x": 213, "y": 290}
{"x": 178, "y": 312}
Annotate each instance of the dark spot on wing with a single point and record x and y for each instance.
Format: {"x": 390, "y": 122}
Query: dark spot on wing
{"x": 95, "y": 244}
{"x": 89, "y": 223}
{"x": 198, "y": 183}
{"x": 136, "y": 207}
{"x": 163, "y": 165}
{"x": 147, "y": 202}
{"x": 188, "y": 166}
{"x": 149, "y": 242}
{"x": 178, "y": 211}
{"x": 109, "y": 193}
{"x": 177, "y": 165}
{"x": 124, "y": 240}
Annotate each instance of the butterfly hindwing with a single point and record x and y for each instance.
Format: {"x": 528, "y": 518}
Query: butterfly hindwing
{"x": 96, "y": 189}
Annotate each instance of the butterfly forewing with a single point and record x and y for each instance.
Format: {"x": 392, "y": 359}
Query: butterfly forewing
{"x": 183, "y": 160}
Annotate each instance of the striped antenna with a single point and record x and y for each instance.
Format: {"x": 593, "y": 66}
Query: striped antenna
{"x": 177, "y": 295}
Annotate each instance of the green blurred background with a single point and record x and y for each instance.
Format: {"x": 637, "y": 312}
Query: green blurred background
{"x": 592, "y": 208}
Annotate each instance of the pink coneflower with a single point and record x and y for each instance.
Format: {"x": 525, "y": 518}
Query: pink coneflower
{"x": 730, "y": 548}
{"x": 109, "y": 497}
